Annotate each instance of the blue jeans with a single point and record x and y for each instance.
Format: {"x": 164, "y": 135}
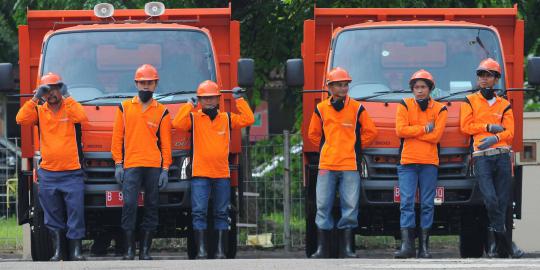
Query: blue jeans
{"x": 134, "y": 178}
{"x": 411, "y": 177}
{"x": 349, "y": 195}
{"x": 201, "y": 190}
{"x": 494, "y": 175}
{"x": 60, "y": 193}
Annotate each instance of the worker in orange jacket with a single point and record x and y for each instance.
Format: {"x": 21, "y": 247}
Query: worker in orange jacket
{"x": 61, "y": 179}
{"x": 141, "y": 149}
{"x": 420, "y": 123}
{"x": 211, "y": 131}
{"x": 489, "y": 119}
{"x": 342, "y": 127}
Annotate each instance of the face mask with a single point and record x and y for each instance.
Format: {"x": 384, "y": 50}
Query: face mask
{"x": 338, "y": 104}
{"x": 487, "y": 93}
{"x": 145, "y": 96}
{"x": 423, "y": 103}
{"x": 212, "y": 112}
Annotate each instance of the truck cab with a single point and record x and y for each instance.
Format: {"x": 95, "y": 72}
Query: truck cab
{"x": 381, "y": 48}
{"x": 97, "y": 55}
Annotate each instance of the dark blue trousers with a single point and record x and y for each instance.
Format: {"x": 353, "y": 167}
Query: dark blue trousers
{"x": 62, "y": 193}
{"x": 134, "y": 178}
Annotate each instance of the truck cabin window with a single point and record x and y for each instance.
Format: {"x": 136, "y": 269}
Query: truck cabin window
{"x": 102, "y": 63}
{"x": 383, "y": 59}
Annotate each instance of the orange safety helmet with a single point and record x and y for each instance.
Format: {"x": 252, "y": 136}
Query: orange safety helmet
{"x": 337, "y": 75}
{"x": 489, "y": 65}
{"x": 208, "y": 88}
{"x": 146, "y": 72}
{"x": 50, "y": 79}
{"x": 422, "y": 74}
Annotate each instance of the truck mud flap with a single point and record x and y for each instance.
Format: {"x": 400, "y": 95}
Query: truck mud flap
{"x": 23, "y": 196}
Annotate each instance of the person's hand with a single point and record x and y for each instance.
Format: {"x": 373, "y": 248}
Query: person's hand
{"x": 237, "y": 92}
{"x": 487, "y": 142}
{"x": 119, "y": 173}
{"x": 194, "y": 101}
{"x": 494, "y": 128}
{"x": 163, "y": 179}
{"x": 41, "y": 91}
{"x": 429, "y": 127}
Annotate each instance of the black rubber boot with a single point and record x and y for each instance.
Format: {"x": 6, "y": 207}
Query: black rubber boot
{"x": 407, "y": 245}
{"x": 513, "y": 250}
{"x": 322, "y": 245}
{"x": 58, "y": 244}
{"x": 347, "y": 240}
{"x": 200, "y": 242}
{"x": 129, "y": 240}
{"x": 75, "y": 250}
{"x": 221, "y": 244}
{"x": 145, "y": 245}
{"x": 491, "y": 251}
{"x": 423, "y": 244}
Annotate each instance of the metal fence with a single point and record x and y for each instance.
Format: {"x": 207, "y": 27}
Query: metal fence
{"x": 10, "y": 232}
{"x": 273, "y": 199}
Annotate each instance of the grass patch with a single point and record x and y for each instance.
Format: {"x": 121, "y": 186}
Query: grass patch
{"x": 10, "y": 234}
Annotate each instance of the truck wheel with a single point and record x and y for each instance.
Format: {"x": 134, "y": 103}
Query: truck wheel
{"x": 191, "y": 248}
{"x": 232, "y": 240}
{"x": 472, "y": 236}
{"x": 311, "y": 227}
{"x": 41, "y": 241}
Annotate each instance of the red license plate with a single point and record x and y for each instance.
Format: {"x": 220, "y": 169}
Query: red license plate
{"x": 116, "y": 199}
{"x": 439, "y": 195}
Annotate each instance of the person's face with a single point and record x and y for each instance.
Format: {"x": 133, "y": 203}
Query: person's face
{"x": 146, "y": 85}
{"x": 53, "y": 97}
{"x": 486, "y": 79}
{"x": 420, "y": 89}
{"x": 209, "y": 102}
{"x": 339, "y": 89}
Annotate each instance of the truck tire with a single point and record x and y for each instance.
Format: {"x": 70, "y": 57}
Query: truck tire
{"x": 191, "y": 248}
{"x": 472, "y": 236}
{"x": 41, "y": 242}
{"x": 232, "y": 244}
{"x": 311, "y": 211}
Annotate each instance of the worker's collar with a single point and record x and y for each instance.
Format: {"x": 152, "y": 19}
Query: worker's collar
{"x": 136, "y": 100}
{"x": 497, "y": 98}
{"x": 346, "y": 101}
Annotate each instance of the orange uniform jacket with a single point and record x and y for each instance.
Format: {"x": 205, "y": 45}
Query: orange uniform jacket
{"x": 142, "y": 138}
{"x": 58, "y": 142}
{"x": 476, "y": 114}
{"x": 341, "y": 135}
{"x": 417, "y": 146}
{"x": 210, "y": 139}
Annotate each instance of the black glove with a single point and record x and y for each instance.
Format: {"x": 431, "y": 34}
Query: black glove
{"x": 119, "y": 173}
{"x": 194, "y": 100}
{"x": 237, "y": 92}
{"x": 494, "y": 128}
{"x": 429, "y": 127}
{"x": 64, "y": 91}
{"x": 163, "y": 179}
{"x": 41, "y": 90}
{"x": 487, "y": 142}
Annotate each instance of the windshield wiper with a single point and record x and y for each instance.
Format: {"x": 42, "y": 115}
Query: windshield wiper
{"x": 106, "y": 97}
{"x": 458, "y": 93}
{"x": 160, "y": 96}
{"x": 382, "y": 93}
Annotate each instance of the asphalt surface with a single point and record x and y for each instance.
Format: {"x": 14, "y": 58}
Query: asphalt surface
{"x": 279, "y": 260}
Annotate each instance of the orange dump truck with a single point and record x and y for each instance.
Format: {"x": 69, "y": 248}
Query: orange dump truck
{"x": 381, "y": 48}
{"x": 96, "y": 53}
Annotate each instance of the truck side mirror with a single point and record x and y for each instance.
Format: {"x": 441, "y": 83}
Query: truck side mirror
{"x": 7, "y": 81}
{"x": 294, "y": 72}
{"x": 246, "y": 72}
{"x": 533, "y": 71}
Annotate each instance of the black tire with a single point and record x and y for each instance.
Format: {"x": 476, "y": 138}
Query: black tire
{"x": 311, "y": 211}
{"x": 472, "y": 236}
{"x": 232, "y": 238}
{"x": 191, "y": 248}
{"x": 41, "y": 241}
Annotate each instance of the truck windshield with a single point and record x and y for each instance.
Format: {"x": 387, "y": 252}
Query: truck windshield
{"x": 102, "y": 63}
{"x": 383, "y": 59}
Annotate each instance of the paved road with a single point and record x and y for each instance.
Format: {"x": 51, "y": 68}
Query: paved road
{"x": 281, "y": 264}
